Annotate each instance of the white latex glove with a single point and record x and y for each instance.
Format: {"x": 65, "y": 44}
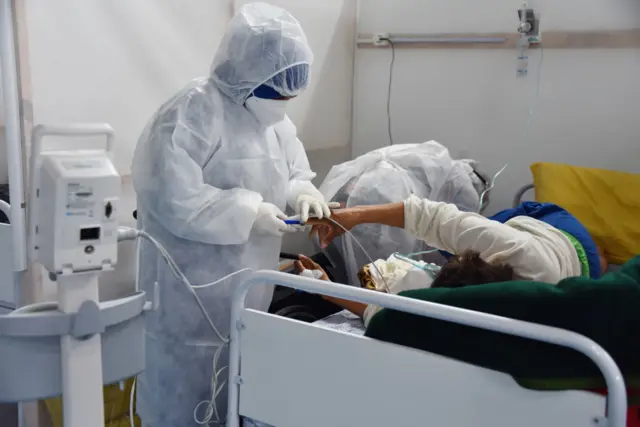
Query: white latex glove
{"x": 270, "y": 221}
{"x": 308, "y": 198}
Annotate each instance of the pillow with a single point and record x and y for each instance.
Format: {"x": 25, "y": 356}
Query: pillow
{"x": 606, "y": 202}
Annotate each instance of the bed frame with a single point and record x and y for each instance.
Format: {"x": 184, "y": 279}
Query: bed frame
{"x": 291, "y": 374}
{"x": 517, "y": 199}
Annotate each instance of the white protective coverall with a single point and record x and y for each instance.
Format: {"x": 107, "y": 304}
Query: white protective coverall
{"x": 202, "y": 169}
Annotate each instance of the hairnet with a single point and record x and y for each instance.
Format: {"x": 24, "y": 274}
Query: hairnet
{"x": 263, "y": 45}
{"x": 390, "y": 175}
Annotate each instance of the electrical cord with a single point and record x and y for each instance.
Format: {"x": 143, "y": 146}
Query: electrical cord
{"x": 534, "y": 104}
{"x": 211, "y": 408}
{"x": 363, "y": 250}
{"x": 490, "y": 187}
{"x": 131, "y": 400}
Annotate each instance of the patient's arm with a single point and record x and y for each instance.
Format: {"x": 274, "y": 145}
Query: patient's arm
{"x": 439, "y": 224}
{"x": 327, "y": 230}
{"x": 445, "y": 227}
{"x": 354, "y": 307}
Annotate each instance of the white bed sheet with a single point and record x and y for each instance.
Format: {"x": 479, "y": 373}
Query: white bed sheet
{"x": 343, "y": 321}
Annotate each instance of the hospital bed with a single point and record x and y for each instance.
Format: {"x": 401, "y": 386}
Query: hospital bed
{"x": 544, "y": 174}
{"x": 334, "y": 375}
{"x": 286, "y": 373}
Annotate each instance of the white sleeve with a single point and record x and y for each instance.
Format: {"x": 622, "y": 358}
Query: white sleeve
{"x": 300, "y": 173}
{"x": 299, "y": 168}
{"x": 170, "y": 185}
{"x": 444, "y": 227}
{"x": 369, "y": 312}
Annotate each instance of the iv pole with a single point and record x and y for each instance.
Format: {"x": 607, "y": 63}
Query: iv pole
{"x": 13, "y": 132}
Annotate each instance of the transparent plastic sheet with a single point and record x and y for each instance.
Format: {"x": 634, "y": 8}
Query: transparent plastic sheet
{"x": 388, "y": 175}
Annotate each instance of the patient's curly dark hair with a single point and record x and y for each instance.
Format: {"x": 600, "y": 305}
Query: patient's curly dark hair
{"x": 469, "y": 269}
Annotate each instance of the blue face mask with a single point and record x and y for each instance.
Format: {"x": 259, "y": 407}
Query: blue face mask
{"x": 266, "y": 92}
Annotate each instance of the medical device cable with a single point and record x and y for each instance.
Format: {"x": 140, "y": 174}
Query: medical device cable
{"x": 211, "y": 406}
{"x": 363, "y": 250}
{"x": 534, "y": 104}
{"x": 132, "y": 395}
{"x": 181, "y": 277}
{"x": 389, "y": 90}
{"x": 216, "y": 389}
{"x": 490, "y": 187}
{"x": 211, "y": 410}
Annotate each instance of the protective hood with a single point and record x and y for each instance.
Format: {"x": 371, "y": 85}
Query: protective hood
{"x": 260, "y": 43}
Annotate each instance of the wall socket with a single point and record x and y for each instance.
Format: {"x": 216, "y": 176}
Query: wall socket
{"x": 534, "y": 35}
{"x": 381, "y": 39}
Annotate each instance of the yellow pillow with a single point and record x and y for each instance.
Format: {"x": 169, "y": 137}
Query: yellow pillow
{"x": 606, "y": 202}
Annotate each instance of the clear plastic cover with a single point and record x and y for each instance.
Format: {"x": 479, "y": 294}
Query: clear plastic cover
{"x": 390, "y": 175}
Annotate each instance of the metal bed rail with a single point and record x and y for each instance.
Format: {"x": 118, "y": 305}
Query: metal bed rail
{"x": 617, "y": 396}
{"x": 517, "y": 199}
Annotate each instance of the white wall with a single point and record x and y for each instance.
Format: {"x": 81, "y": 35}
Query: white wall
{"x": 117, "y": 61}
{"x": 586, "y": 113}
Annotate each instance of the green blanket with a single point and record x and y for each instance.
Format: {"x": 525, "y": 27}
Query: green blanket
{"x": 606, "y": 310}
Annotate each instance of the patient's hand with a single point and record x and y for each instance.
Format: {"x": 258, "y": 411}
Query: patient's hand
{"x": 355, "y": 307}
{"x": 305, "y": 263}
{"x": 327, "y": 230}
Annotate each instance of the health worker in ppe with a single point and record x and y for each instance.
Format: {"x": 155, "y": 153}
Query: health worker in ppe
{"x": 214, "y": 171}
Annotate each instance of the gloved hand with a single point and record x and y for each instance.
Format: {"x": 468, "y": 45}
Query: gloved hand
{"x": 305, "y": 196}
{"x": 270, "y": 221}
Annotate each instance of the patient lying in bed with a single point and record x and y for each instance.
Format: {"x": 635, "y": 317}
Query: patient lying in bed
{"x": 535, "y": 241}
{"x": 467, "y": 268}
{"x": 540, "y": 241}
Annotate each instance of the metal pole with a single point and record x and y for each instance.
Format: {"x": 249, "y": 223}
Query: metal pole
{"x": 447, "y": 40}
{"x": 13, "y": 138}
{"x": 13, "y": 132}
{"x": 82, "y": 398}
